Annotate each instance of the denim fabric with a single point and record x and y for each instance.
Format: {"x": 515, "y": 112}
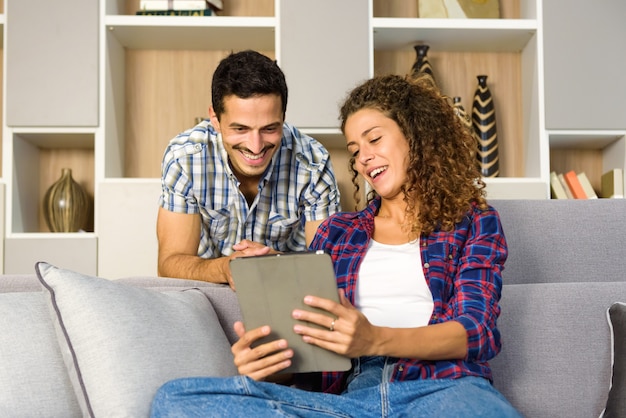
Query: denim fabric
{"x": 369, "y": 394}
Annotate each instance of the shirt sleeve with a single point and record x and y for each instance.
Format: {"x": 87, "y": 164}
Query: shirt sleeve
{"x": 478, "y": 285}
{"x": 322, "y": 198}
{"x": 176, "y": 185}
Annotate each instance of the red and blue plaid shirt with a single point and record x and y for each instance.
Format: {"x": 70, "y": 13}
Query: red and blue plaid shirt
{"x": 462, "y": 269}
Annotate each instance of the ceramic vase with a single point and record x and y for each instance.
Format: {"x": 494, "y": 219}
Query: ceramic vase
{"x": 484, "y": 124}
{"x": 461, "y": 113}
{"x": 66, "y": 204}
{"x": 422, "y": 66}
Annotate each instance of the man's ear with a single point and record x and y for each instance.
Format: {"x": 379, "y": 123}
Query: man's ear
{"x": 214, "y": 121}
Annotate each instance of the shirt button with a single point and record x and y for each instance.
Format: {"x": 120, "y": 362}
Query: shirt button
{"x": 426, "y": 265}
{"x": 198, "y": 147}
{"x": 450, "y": 256}
{"x": 400, "y": 368}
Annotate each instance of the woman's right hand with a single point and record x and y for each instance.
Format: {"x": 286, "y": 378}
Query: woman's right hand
{"x": 262, "y": 361}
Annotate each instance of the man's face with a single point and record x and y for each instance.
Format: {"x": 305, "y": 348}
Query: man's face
{"x": 251, "y": 132}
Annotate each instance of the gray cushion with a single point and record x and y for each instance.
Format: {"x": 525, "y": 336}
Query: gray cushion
{"x": 33, "y": 378}
{"x": 222, "y": 298}
{"x": 616, "y": 404}
{"x": 121, "y": 343}
{"x": 560, "y": 352}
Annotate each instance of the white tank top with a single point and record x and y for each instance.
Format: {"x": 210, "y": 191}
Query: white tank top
{"x": 391, "y": 289}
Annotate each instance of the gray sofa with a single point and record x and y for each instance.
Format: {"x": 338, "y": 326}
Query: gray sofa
{"x": 567, "y": 265}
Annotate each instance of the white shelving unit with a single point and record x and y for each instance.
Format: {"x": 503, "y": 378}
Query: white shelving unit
{"x": 142, "y": 60}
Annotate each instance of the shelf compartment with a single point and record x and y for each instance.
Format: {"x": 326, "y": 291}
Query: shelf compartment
{"x": 38, "y": 158}
{"x": 593, "y": 152}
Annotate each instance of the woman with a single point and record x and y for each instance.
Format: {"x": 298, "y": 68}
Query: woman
{"x": 419, "y": 273}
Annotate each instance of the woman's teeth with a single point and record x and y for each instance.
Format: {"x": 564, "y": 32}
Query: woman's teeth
{"x": 377, "y": 171}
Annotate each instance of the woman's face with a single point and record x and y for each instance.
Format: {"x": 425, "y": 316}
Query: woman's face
{"x": 380, "y": 151}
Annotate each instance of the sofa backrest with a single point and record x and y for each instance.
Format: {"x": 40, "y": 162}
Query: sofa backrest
{"x": 564, "y": 240}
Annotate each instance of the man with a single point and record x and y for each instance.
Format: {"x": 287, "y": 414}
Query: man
{"x": 244, "y": 182}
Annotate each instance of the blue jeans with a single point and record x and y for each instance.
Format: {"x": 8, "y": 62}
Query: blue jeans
{"x": 369, "y": 394}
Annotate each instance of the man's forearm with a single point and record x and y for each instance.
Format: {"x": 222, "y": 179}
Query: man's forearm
{"x": 215, "y": 270}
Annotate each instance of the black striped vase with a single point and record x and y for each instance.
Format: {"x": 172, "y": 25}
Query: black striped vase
{"x": 66, "y": 204}
{"x": 461, "y": 113}
{"x": 484, "y": 123}
{"x": 422, "y": 66}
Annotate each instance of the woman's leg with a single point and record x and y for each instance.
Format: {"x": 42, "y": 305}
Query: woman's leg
{"x": 467, "y": 396}
{"x": 243, "y": 397}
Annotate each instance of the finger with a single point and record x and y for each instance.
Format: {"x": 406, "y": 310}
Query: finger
{"x": 264, "y": 360}
{"x": 324, "y": 304}
{"x": 323, "y": 320}
{"x": 239, "y": 328}
{"x": 242, "y": 245}
{"x": 343, "y": 299}
{"x": 280, "y": 364}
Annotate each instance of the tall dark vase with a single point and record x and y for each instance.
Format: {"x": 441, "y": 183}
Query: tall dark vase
{"x": 66, "y": 204}
{"x": 461, "y": 113}
{"x": 484, "y": 123}
{"x": 422, "y": 66}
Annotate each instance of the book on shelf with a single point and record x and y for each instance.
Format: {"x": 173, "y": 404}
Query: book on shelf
{"x": 172, "y": 4}
{"x": 568, "y": 192}
{"x": 574, "y": 185}
{"x": 216, "y": 5}
{"x": 613, "y": 184}
{"x": 558, "y": 192}
{"x": 586, "y": 184}
{"x": 203, "y": 12}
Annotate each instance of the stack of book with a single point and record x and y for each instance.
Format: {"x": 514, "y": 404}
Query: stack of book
{"x": 572, "y": 185}
{"x": 178, "y": 7}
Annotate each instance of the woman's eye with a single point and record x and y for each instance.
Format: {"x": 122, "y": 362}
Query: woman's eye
{"x": 375, "y": 139}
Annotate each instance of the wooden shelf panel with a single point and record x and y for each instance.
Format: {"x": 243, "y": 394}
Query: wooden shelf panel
{"x": 193, "y": 33}
{"x": 467, "y": 35}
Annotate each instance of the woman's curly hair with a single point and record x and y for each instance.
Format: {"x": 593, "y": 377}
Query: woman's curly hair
{"x": 443, "y": 177}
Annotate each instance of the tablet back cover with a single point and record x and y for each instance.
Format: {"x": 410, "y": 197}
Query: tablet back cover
{"x": 270, "y": 287}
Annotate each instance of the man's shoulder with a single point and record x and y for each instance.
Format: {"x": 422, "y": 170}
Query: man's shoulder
{"x": 192, "y": 140}
{"x": 303, "y": 145}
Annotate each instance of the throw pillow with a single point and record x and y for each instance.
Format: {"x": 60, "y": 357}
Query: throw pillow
{"x": 121, "y": 343}
{"x": 616, "y": 403}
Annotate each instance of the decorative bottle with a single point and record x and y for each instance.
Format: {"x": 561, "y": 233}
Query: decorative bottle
{"x": 422, "y": 66}
{"x": 66, "y": 204}
{"x": 461, "y": 113}
{"x": 484, "y": 123}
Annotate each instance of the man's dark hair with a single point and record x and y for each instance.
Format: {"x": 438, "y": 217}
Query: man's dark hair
{"x": 247, "y": 74}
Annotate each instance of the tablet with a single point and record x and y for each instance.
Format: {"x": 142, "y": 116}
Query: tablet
{"x": 270, "y": 287}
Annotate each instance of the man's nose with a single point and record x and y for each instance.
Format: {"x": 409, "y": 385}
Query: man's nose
{"x": 255, "y": 142}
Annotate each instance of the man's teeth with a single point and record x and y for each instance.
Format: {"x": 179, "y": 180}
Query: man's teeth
{"x": 253, "y": 156}
{"x": 377, "y": 171}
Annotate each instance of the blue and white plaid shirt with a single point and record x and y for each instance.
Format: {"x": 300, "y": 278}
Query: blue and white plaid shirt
{"x": 298, "y": 186}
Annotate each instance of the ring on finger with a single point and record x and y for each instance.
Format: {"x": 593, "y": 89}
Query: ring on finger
{"x": 332, "y": 326}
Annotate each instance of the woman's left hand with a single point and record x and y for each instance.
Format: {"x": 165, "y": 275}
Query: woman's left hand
{"x": 345, "y": 330}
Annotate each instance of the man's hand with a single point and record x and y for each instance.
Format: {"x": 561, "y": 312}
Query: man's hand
{"x": 247, "y": 248}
